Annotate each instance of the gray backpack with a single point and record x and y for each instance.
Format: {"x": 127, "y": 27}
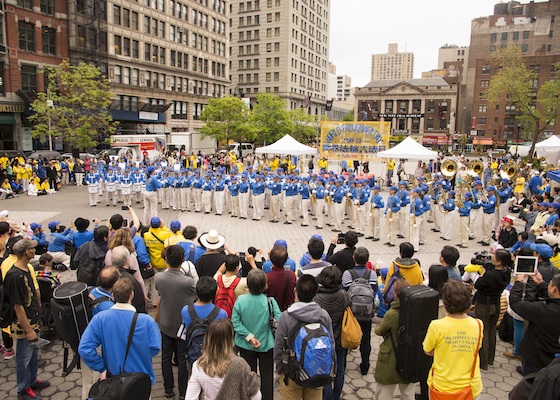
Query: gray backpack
{"x": 361, "y": 296}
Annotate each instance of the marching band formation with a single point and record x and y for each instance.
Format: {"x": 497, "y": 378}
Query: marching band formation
{"x": 329, "y": 197}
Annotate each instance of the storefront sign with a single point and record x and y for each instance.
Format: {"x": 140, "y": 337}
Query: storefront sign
{"x": 148, "y": 115}
{"x": 397, "y": 139}
{"x": 401, "y": 115}
{"x": 439, "y": 140}
{"x": 397, "y": 131}
{"x": 474, "y": 132}
{"x": 361, "y": 140}
{"x": 18, "y": 108}
{"x": 26, "y": 139}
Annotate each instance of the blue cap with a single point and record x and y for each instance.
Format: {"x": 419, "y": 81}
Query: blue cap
{"x": 296, "y": 170}
{"x": 34, "y": 226}
{"x": 281, "y": 242}
{"x": 155, "y": 222}
{"x": 331, "y": 172}
{"x": 451, "y": 192}
{"x": 505, "y": 180}
{"x": 393, "y": 188}
{"x": 467, "y": 195}
{"x": 544, "y": 250}
{"x": 306, "y": 179}
{"x": 376, "y": 187}
{"x": 150, "y": 170}
{"x": 544, "y": 204}
{"x": 439, "y": 183}
{"x": 478, "y": 182}
{"x": 424, "y": 187}
{"x": 317, "y": 237}
{"x": 175, "y": 225}
{"x": 52, "y": 225}
{"x": 491, "y": 188}
{"x": 417, "y": 190}
{"x": 421, "y": 179}
{"x": 338, "y": 181}
{"x": 384, "y": 272}
{"x": 352, "y": 175}
{"x": 555, "y": 204}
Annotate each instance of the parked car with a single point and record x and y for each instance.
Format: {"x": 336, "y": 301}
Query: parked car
{"x": 83, "y": 156}
{"x": 45, "y": 154}
{"x": 241, "y": 150}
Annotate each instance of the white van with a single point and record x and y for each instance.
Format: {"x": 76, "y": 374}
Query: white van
{"x": 239, "y": 149}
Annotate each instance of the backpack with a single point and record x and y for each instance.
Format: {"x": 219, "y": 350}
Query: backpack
{"x": 361, "y": 296}
{"x": 7, "y": 313}
{"x": 88, "y": 268}
{"x": 92, "y": 303}
{"x": 389, "y": 293}
{"x": 196, "y": 332}
{"x": 225, "y": 297}
{"x": 313, "y": 361}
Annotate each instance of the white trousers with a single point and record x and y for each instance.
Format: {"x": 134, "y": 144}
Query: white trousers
{"x": 438, "y": 216}
{"x": 219, "y": 198}
{"x": 258, "y": 206}
{"x": 60, "y": 257}
{"x": 319, "y": 207}
{"x": 423, "y": 227}
{"x": 207, "y": 200}
{"x": 375, "y": 223}
{"x": 487, "y": 225}
{"x": 111, "y": 197}
{"x": 127, "y": 199}
{"x": 447, "y": 225}
{"x": 186, "y": 193}
{"x": 305, "y": 210}
{"x": 360, "y": 224}
{"x": 338, "y": 211}
{"x": 243, "y": 204}
{"x": 165, "y": 197}
{"x": 177, "y": 201}
{"x": 464, "y": 229}
{"x": 274, "y": 207}
{"x": 414, "y": 230}
{"x": 197, "y": 195}
{"x": 93, "y": 199}
{"x": 235, "y": 206}
{"x": 401, "y": 227}
{"x": 392, "y": 221}
{"x": 474, "y": 217}
{"x": 289, "y": 208}
{"x": 150, "y": 206}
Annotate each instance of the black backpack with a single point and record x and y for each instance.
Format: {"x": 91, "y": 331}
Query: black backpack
{"x": 196, "y": 332}
{"x": 7, "y": 313}
{"x": 88, "y": 268}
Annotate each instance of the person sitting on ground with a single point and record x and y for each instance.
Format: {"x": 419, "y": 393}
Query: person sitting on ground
{"x": 522, "y": 242}
{"x": 507, "y": 233}
{"x": 453, "y": 355}
{"x": 408, "y": 267}
{"x": 44, "y": 270}
{"x": 57, "y": 241}
{"x": 386, "y": 374}
{"x": 288, "y": 264}
{"x": 281, "y": 282}
{"x": 304, "y": 310}
{"x": 343, "y": 259}
{"x": 83, "y": 235}
{"x": 315, "y": 249}
{"x": 220, "y": 373}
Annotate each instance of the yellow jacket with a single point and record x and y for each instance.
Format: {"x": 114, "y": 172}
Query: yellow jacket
{"x": 44, "y": 186}
{"x": 175, "y": 238}
{"x": 274, "y": 164}
{"x": 155, "y": 243}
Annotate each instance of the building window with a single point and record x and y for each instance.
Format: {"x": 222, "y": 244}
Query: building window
{"x": 26, "y": 36}
{"x": 162, "y": 55}
{"x": 515, "y": 35}
{"x": 481, "y": 120}
{"x": 492, "y": 49}
{"x": 118, "y": 74}
{"x": 430, "y": 124}
{"x": 485, "y": 70}
{"x": 482, "y": 108}
{"x": 443, "y": 106}
{"x": 389, "y": 106}
{"x": 162, "y": 29}
{"x": 118, "y": 44}
{"x": 277, "y": 17}
{"x": 147, "y": 52}
{"x": 155, "y": 54}
{"x": 49, "y": 41}
{"x": 135, "y": 49}
{"x": 525, "y": 34}
{"x": 147, "y": 25}
{"x": 47, "y": 7}
{"x": 126, "y": 47}
{"x": 25, "y": 4}
{"x": 134, "y": 24}
{"x": 485, "y": 83}
{"x": 504, "y": 35}
{"x": 431, "y": 107}
{"x": 126, "y": 18}
{"x": 277, "y": 47}
{"x": 524, "y": 48}
{"x": 442, "y": 124}
{"x": 493, "y": 37}
{"x": 116, "y": 15}
{"x": 549, "y": 47}
{"x": 28, "y": 78}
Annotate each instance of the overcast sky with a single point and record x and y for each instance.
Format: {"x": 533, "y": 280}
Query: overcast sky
{"x": 360, "y": 28}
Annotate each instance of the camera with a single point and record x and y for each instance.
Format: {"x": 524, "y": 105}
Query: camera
{"x": 340, "y": 239}
{"x": 482, "y": 258}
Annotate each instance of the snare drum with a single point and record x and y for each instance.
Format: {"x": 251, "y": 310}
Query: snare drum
{"x": 119, "y": 186}
{"x": 143, "y": 188}
{"x": 92, "y": 188}
{"x": 111, "y": 187}
{"x": 137, "y": 187}
{"x": 126, "y": 189}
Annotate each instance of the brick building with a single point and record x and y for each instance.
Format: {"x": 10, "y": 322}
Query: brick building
{"x": 530, "y": 26}
{"x": 36, "y": 36}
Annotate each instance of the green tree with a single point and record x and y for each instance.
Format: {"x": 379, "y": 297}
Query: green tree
{"x": 349, "y": 116}
{"x": 227, "y": 118}
{"x": 271, "y": 118}
{"x": 304, "y": 125}
{"x": 515, "y": 81}
{"x": 74, "y": 106}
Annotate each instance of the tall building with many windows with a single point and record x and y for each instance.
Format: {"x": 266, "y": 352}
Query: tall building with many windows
{"x": 392, "y": 65}
{"x": 164, "y": 58}
{"x": 281, "y": 47}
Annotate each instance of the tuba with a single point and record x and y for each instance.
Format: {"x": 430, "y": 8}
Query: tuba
{"x": 509, "y": 170}
{"x": 449, "y": 169}
{"x": 459, "y": 201}
{"x": 412, "y": 182}
{"x": 475, "y": 168}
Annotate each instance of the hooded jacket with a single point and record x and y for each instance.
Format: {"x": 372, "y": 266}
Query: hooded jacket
{"x": 334, "y": 301}
{"x": 410, "y": 270}
{"x": 300, "y": 311}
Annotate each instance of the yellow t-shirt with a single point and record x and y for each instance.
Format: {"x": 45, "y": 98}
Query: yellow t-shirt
{"x": 45, "y": 186}
{"x": 454, "y": 341}
{"x": 4, "y": 161}
{"x": 555, "y": 261}
{"x": 390, "y": 165}
{"x": 494, "y": 166}
{"x": 274, "y": 164}
{"x": 519, "y": 185}
{"x": 175, "y": 238}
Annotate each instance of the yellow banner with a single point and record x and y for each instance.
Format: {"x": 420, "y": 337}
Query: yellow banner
{"x": 361, "y": 140}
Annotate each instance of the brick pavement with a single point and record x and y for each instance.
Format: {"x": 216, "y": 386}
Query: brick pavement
{"x": 72, "y": 202}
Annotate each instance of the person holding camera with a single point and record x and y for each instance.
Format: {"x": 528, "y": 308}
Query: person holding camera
{"x": 343, "y": 259}
{"x": 490, "y": 286}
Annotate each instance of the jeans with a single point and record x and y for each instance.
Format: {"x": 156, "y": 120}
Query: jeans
{"x": 170, "y": 345}
{"x": 517, "y": 335}
{"x": 365, "y": 346}
{"x": 26, "y": 364}
{"x": 266, "y": 367}
{"x": 330, "y": 393}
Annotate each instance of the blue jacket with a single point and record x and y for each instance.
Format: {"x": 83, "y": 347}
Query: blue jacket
{"x": 450, "y": 205}
{"x": 267, "y": 266}
{"x": 465, "y": 212}
{"x": 377, "y": 201}
{"x": 141, "y": 251}
{"x": 57, "y": 240}
{"x": 306, "y": 259}
{"x": 490, "y": 207}
{"x": 519, "y": 245}
{"x": 393, "y": 204}
{"x": 427, "y": 205}
{"x": 110, "y": 330}
{"x": 534, "y": 182}
{"x": 101, "y": 306}
{"x": 152, "y": 184}
{"x": 304, "y": 192}
{"x": 40, "y": 238}
{"x": 504, "y": 194}
{"x": 80, "y": 238}
{"x": 418, "y": 207}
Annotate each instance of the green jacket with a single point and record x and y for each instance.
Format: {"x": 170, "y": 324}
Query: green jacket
{"x": 386, "y": 368}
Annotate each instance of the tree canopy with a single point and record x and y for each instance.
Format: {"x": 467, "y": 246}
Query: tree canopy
{"x": 74, "y": 107}
{"x": 228, "y": 118}
{"x": 536, "y": 110}
{"x": 271, "y": 118}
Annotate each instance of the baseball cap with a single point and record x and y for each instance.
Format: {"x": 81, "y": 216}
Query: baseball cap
{"x": 34, "y": 226}
{"x": 281, "y": 242}
{"x": 155, "y": 222}
{"x": 53, "y": 224}
{"x": 506, "y": 219}
{"x": 23, "y": 245}
{"x": 175, "y": 225}
{"x": 393, "y": 188}
{"x": 505, "y": 180}
{"x": 317, "y": 237}
{"x": 417, "y": 190}
{"x": 544, "y": 250}
{"x": 376, "y": 187}
{"x": 544, "y": 204}
{"x": 451, "y": 192}
{"x": 491, "y": 188}
{"x": 467, "y": 195}
{"x": 150, "y": 170}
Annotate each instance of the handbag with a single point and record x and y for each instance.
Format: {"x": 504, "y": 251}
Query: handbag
{"x": 350, "y": 332}
{"x": 466, "y": 393}
{"x": 271, "y": 318}
{"x": 125, "y": 386}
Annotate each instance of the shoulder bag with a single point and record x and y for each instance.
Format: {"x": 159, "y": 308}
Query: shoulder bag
{"x": 350, "y": 332}
{"x": 125, "y": 386}
{"x": 271, "y": 318}
{"x": 466, "y": 393}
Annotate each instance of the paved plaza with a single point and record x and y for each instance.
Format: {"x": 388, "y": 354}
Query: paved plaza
{"x": 72, "y": 202}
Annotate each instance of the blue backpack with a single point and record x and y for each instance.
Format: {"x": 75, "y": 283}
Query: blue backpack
{"x": 196, "y": 331}
{"x": 315, "y": 357}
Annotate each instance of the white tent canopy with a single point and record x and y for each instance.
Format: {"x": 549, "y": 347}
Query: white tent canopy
{"x": 286, "y": 145}
{"x": 409, "y": 148}
{"x": 550, "y": 149}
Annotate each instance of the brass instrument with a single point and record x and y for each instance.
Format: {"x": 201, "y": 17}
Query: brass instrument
{"x": 441, "y": 209}
{"x": 495, "y": 182}
{"x": 348, "y": 199}
{"x": 358, "y": 208}
{"x": 412, "y": 182}
{"x": 414, "y": 224}
{"x": 427, "y": 176}
{"x": 475, "y": 168}
{"x": 313, "y": 198}
{"x": 329, "y": 200}
{"x": 508, "y": 170}
{"x": 431, "y": 189}
{"x": 390, "y": 219}
{"x": 459, "y": 201}
{"x": 449, "y": 169}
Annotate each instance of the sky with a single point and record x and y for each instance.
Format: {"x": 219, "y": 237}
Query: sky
{"x": 360, "y": 28}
